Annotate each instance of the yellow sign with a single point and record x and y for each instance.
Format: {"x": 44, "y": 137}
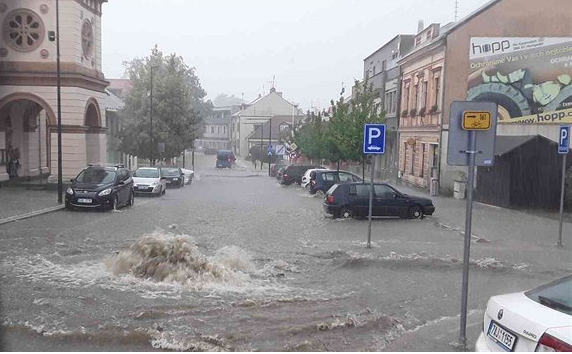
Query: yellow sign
{"x": 476, "y": 120}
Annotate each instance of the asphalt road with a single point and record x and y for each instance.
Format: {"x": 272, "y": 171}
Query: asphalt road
{"x": 237, "y": 262}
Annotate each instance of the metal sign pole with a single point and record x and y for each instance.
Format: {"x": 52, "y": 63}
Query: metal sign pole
{"x": 467, "y": 247}
{"x": 370, "y": 203}
{"x": 562, "y": 186}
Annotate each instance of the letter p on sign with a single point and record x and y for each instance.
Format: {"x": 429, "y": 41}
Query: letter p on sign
{"x": 564, "y": 140}
{"x": 374, "y": 138}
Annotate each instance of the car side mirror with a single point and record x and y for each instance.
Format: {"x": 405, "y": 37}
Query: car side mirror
{"x": 121, "y": 183}
{"x": 162, "y": 178}
{"x": 72, "y": 179}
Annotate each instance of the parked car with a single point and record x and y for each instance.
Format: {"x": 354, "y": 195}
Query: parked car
{"x": 322, "y": 180}
{"x": 189, "y": 175}
{"x": 225, "y": 159}
{"x": 174, "y": 176}
{"x": 275, "y": 167}
{"x": 280, "y": 173}
{"x": 536, "y": 320}
{"x": 294, "y": 173}
{"x": 349, "y": 200}
{"x": 100, "y": 187}
{"x": 306, "y": 177}
{"x": 148, "y": 180}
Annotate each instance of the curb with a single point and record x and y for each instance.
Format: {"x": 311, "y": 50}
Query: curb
{"x": 30, "y": 214}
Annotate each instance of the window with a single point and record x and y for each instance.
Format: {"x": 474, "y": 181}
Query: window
{"x": 404, "y": 157}
{"x": 422, "y": 160}
{"x": 423, "y": 97}
{"x": 374, "y": 70}
{"x": 23, "y": 30}
{"x": 346, "y": 177}
{"x": 218, "y": 129}
{"x": 406, "y": 97}
{"x": 437, "y": 89}
{"x": 416, "y": 96}
{"x": 412, "y": 167}
{"x": 87, "y": 39}
{"x": 383, "y": 192}
{"x": 383, "y": 65}
{"x": 329, "y": 177}
{"x": 212, "y": 129}
{"x": 224, "y": 129}
{"x": 391, "y": 102}
{"x": 360, "y": 190}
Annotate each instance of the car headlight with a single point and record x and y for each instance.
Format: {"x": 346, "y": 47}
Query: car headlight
{"x": 105, "y": 192}
{"x": 69, "y": 190}
{"x": 154, "y": 184}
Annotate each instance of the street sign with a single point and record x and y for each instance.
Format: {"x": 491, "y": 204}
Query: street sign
{"x": 564, "y": 140}
{"x": 476, "y": 120}
{"x": 293, "y": 155}
{"x": 458, "y": 141}
{"x": 293, "y": 146}
{"x": 269, "y": 150}
{"x": 374, "y": 139}
{"x": 280, "y": 150}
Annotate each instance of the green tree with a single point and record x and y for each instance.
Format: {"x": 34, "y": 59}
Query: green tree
{"x": 348, "y": 119}
{"x": 178, "y": 106}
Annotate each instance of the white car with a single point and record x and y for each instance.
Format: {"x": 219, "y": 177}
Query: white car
{"x": 189, "y": 175}
{"x": 148, "y": 180}
{"x": 306, "y": 178}
{"x": 536, "y": 320}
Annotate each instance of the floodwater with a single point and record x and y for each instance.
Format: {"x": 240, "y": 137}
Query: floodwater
{"x": 236, "y": 263}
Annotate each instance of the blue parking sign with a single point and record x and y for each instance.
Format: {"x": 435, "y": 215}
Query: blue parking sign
{"x": 564, "y": 140}
{"x": 374, "y": 139}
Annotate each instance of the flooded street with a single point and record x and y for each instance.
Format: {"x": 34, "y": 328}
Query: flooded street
{"x": 235, "y": 262}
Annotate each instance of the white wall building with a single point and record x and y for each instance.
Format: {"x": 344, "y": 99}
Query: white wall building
{"x": 28, "y": 76}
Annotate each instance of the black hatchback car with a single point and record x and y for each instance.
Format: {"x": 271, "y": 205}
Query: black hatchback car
{"x": 174, "y": 176}
{"x": 293, "y": 173}
{"x": 349, "y": 200}
{"x": 101, "y": 187}
{"x": 322, "y": 180}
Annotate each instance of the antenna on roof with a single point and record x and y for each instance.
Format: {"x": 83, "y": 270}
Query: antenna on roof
{"x": 456, "y": 10}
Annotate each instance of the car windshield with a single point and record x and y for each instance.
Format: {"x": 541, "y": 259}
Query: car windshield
{"x": 170, "y": 171}
{"x": 96, "y": 176}
{"x": 146, "y": 173}
{"x": 556, "y": 295}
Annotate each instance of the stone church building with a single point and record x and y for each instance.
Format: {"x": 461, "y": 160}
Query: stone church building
{"x": 28, "y": 86}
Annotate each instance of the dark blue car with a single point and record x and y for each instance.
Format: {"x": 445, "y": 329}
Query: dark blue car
{"x": 225, "y": 159}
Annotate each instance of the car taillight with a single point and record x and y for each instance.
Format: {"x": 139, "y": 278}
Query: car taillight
{"x": 548, "y": 343}
{"x": 228, "y": 160}
{"x": 330, "y": 199}
{"x": 285, "y": 175}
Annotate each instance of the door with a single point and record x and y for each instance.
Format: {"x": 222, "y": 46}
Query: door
{"x": 382, "y": 200}
{"x": 398, "y": 204}
{"x": 359, "y": 199}
{"x": 123, "y": 190}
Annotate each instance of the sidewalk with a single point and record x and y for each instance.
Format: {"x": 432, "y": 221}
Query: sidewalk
{"x": 20, "y": 202}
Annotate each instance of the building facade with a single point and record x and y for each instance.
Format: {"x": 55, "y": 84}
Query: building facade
{"x": 533, "y": 56}
{"x": 28, "y": 76}
{"x": 217, "y": 129}
{"x": 382, "y": 71}
{"x": 421, "y": 114}
{"x": 253, "y": 115}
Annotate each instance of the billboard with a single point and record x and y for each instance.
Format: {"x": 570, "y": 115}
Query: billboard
{"x": 529, "y": 78}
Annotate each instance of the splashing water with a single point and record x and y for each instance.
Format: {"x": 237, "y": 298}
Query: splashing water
{"x": 173, "y": 258}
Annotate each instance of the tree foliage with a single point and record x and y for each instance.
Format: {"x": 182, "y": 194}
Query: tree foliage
{"x": 178, "y": 106}
{"x": 340, "y": 137}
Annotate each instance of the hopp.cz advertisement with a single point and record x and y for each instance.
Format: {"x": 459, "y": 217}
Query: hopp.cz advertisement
{"x": 529, "y": 78}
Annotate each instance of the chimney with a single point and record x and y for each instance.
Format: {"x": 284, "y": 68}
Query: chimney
{"x": 420, "y": 26}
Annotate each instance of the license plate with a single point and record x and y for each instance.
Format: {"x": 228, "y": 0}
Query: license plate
{"x": 501, "y": 336}
{"x": 174, "y": 179}
{"x": 142, "y": 188}
{"x": 84, "y": 200}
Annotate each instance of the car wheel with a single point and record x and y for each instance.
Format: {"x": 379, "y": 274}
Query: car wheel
{"x": 415, "y": 212}
{"x": 115, "y": 203}
{"x": 346, "y": 213}
{"x": 69, "y": 206}
{"x": 190, "y": 180}
{"x": 131, "y": 199}
{"x": 320, "y": 193}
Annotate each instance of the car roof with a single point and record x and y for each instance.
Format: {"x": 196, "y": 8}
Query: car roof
{"x": 148, "y": 168}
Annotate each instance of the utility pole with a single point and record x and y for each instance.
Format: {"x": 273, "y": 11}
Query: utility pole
{"x": 60, "y": 169}
{"x": 151, "y": 122}
{"x": 269, "y": 153}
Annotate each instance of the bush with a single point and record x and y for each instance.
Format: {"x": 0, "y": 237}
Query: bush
{"x": 413, "y": 112}
{"x": 434, "y": 109}
{"x": 404, "y": 113}
{"x": 422, "y": 112}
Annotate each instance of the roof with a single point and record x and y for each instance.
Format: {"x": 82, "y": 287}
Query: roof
{"x": 112, "y": 102}
{"x": 397, "y": 37}
{"x": 507, "y": 143}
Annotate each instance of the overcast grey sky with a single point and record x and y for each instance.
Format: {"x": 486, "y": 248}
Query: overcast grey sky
{"x": 237, "y": 47}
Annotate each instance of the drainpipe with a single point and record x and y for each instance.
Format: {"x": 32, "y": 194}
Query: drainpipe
{"x": 443, "y": 81}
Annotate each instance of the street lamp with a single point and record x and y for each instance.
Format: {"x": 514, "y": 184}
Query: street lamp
{"x": 151, "y": 120}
